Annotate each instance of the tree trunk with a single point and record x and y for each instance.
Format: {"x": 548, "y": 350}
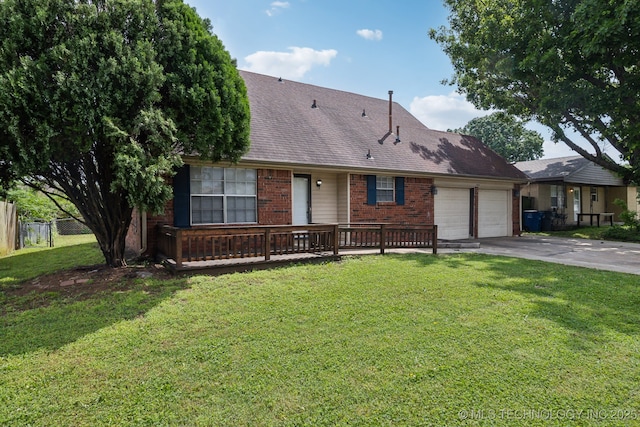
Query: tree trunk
{"x": 111, "y": 233}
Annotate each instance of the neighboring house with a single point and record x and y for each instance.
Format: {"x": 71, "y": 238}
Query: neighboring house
{"x": 320, "y": 155}
{"x": 573, "y": 185}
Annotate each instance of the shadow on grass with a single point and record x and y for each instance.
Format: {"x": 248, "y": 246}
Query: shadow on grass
{"x": 587, "y": 302}
{"x": 28, "y": 264}
{"x": 65, "y": 321}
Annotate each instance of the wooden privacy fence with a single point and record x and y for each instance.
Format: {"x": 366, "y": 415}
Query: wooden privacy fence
{"x": 220, "y": 243}
{"x": 8, "y": 227}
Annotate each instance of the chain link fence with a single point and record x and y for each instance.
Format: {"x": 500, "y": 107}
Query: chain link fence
{"x": 70, "y": 226}
{"x": 42, "y": 233}
{"x": 36, "y": 234}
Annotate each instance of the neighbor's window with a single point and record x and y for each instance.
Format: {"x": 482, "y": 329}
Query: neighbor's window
{"x": 557, "y": 196}
{"x": 594, "y": 194}
{"x": 222, "y": 195}
{"x": 384, "y": 188}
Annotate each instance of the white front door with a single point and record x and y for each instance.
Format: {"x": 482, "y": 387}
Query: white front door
{"x": 301, "y": 200}
{"x": 576, "y": 203}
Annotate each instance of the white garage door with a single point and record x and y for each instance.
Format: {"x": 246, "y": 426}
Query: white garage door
{"x": 451, "y": 211}
{"x": 493, "y": 213}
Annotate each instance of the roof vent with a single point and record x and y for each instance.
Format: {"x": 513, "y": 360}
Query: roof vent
{"x": 398, "y": 135}
{"x": 364, "y": 113}
{"x": 369, "y": 155}
{"x": 390, "y": 111}
{"x": 314, "y": 105}
{"x": 280, "y": 80}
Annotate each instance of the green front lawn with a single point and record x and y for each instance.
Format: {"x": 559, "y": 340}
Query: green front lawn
{"x": 68, "y": 252}
{"x": 618, "y": 233}
{"x": 379, "y": 340}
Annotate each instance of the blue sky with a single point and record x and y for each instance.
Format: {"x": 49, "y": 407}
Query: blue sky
{"x": 362, "y": 46}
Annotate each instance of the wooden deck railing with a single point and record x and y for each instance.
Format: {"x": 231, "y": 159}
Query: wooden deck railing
{"x": 217, "y": 243}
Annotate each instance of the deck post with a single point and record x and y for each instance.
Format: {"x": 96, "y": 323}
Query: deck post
{"x": 383, "y": 238}
{"x": 267, "y": 244}
{"x": 435, "y": 240}
{"x": 178, "y": 248}
{"x": 336, "y": 238}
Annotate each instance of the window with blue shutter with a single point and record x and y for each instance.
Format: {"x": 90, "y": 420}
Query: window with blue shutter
{"x": 400, "y": 190}
{"x": 371, "y": 189}
{"x": 385, "y": 189}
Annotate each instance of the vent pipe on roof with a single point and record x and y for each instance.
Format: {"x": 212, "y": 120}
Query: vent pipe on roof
{"x": 390, "y": 111}
{"x": 314, "y": 105}
{"x": 398, "y": 134}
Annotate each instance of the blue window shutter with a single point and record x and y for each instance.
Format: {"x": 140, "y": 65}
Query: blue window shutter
{"x": 182, "y": 197}
{"x": 399, "y": 190}
{"x": 371, "y": 189}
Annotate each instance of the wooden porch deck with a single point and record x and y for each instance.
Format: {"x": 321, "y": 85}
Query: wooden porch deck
{"x": 221, "y": 250}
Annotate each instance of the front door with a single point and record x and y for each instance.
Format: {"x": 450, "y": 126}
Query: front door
{"x": 576, "y": 203}
{"x": 301, "y": 200}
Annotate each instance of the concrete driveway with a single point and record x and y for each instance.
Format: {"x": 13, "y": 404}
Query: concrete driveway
{"x": 598, "y": 254}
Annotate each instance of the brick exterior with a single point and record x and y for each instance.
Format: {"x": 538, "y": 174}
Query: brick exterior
{"x": 153, "y": 221}
{"x": 417, "y": 208}
{"x": 274, "y": 193}
{"x": 274, "y": 197}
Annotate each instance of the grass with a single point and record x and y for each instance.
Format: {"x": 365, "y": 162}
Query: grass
{"x": 618, "y": 233}
{"x": 380, "y": 340}
{"x": 68, "y": 252}
{"x": 594, "y": 233}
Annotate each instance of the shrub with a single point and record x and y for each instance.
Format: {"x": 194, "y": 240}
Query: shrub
{"x": 629, "y": 218}
{"x": 622, "y": 233}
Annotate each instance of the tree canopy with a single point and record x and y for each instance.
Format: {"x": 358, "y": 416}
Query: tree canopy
{"x": 571, "y": 65}
{"x": 506, "y": 135}
{"x": 99, "y": 99}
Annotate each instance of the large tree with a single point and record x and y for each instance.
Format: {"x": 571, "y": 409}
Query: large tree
{"x": 99, "y": 98}
{"x": 506, "y": 135}
{"x": 569, "y": 64}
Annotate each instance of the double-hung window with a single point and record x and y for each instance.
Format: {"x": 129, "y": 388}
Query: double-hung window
{"x": 384, "y": 189}
{"x": 222, "y": 195}
{"x": 557, "y": 196}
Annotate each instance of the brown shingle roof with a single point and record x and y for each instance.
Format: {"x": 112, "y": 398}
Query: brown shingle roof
{"x": 574, "y": 169}
{"x": 552, "y": 169}
{"x": 286, "y": 130}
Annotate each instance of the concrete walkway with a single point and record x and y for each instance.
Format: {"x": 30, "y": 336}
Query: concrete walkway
{"x": 598, "y": 254}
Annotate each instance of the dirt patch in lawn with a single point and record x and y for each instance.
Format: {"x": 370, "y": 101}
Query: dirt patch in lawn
{"x": 84, "y": 282}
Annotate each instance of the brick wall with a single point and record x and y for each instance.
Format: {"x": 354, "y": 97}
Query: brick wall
{"x": 417, "y": 208}
{"x": 274, "y": 197}
{"x": 153, "y": 221}
{"x": 274, "y": 204}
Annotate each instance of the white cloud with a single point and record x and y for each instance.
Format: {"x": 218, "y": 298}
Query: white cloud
{"x": 289, "y": 65}
{"x": 276, "y": 7}
{"x": 444, "y": 112}
{"x": 370, "y": 34}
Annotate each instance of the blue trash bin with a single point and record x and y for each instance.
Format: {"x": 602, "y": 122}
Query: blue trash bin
{"x": 532, "y": 220}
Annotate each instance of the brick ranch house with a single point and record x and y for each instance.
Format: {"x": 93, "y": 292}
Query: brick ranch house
{"x": 320, "y": 155}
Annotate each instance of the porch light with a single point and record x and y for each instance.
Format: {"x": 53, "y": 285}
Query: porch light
{"x": 434, "y": 189}
{"x": 318, "y": 183}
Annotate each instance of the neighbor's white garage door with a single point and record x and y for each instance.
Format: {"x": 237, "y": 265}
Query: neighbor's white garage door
{"x": 451, "y": 211}
{"x": 493, "y": 213}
